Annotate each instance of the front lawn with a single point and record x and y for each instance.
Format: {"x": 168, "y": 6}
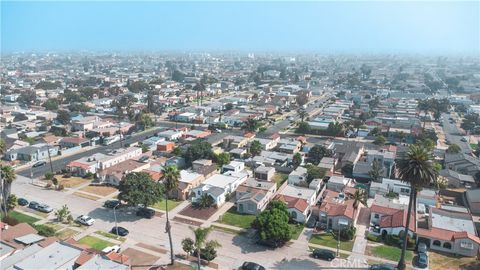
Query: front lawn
{"x": 443, "y": 261}
{"x": 70, "y": 182}
{"x": 232, "y": 217}
{"x": 101, "y": 191}
{"x": 389, "y": 253}
{"x": 296, "y": 230}
{"x": 22, "y": 218}
{"x": 110, "y": 235}
{"x": 171, "y": 204}
{"x": 94, "y": 242}
{"x": 328, "y": 240}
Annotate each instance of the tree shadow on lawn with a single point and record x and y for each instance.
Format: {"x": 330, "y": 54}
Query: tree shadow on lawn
{"x": 297, "y": 264}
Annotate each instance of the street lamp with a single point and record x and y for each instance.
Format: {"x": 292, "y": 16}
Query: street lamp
{"x": 115, "y": 217}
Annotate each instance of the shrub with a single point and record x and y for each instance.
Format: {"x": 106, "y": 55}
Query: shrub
{"x": 347, "y": 234}
{"x": 89, "y": 175}
{"x": 10, "y": 220}
{"x": 372, "y": 237}
{"x": 49, "y": 175}
{"x": 44, "y": 230}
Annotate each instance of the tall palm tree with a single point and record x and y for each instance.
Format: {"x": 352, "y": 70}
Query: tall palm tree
{"x": 416, "y": 168}
{"x": 7, "y": 176}
{"x": 302, "y": 113}
{"x": 201, "y": 235}
{"x": 358, "y": 197}
{"x": 171, "y": 177}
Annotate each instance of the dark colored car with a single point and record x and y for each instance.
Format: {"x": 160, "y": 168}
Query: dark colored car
{"x": 146, "y": 212}
{"x": 311, "y": 222}
{"x": 38, "y": 164}
{"x": 33, "y": 205}
{"x": 119, "y": 231}
{"x": 252, "y": 266}
{"x": 111, "y": 203}
{"x": 422, "y": 260}
{"x": 422, "y": 248}
{"x": 323, "y": 254}
{"x": 382, "y": 266}
{"x": 22, "y": 201}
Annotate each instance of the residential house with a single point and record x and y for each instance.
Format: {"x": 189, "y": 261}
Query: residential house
{"x": 338, "y": 183}
{"x": 328, "y": 163}
{"x": 188, "y": 181}
{"x": 218, "y": 186}
{"x": 264, "y": 173}
{"x": 298, "y": 177}
{"x": 32, "y": 152}
{"x": 114, "y": 174}
{"x": 336, "y": 210}
{"x": 171, "y": 135}
{"x": 70, "y": 142}
{"x": 165, "y": 146}
{"x": 462, "y": 163}
{"x": 253, "y": 196}
{"x": 289, "y": 145}
{"x": 85, "y": 165}
{"x": 457, "y": 180}
{"x": 473, "y": 198}
{"x": 197, "y": 134}
{"x": 233, "y": 166}
{"x": 299, "y": 201}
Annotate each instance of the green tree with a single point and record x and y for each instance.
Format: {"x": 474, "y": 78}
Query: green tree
{"x": 454, "y": 149}
{"x": 171, "y": 178}
{"x": 139, "y": 188}
{"x": 272, "y": 224}
{"x": 250, "y": 125}
{"x": 7, "y": 175}
{"x": 379, "y": 140}
{"x": 301, "y": 99}
{"x": 303, "y": 128}
{"x": 62, "y": 213}
{"x": 347, "y": 170}
{"x": 3, "y": 147}
{"x": 206, "y": 201}
{"x": 222, "y": 159}
{"x": 63, "y": 117}
{"x": 297, "y": 160}
{"x": 255, "y": 148}
{"x": 51, "y": 104}
{"x": 145, "y": 148}
{"x": 138, "y": 87}
{"x": 376, "y": 131}
{"x": 201, "y": 235}
{"x": 11, "y": 202}
{"x": 428, "y": 143}
{"x": 317, "y": 152}
{"x": 188, "y": 245}
{"x": 198, "y": 149}
{"x": 376, "y": 172}
{"x": 416, "y": 168}
{"x": 144, "y": 120}
{"x": 314, "y": 172}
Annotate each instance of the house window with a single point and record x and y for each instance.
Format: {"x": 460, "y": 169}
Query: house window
{"x": 294, "y": 214}
{"x": 376, "y": 216}
{"x": 447, "y": 245}
{"x": 198, "y": 192}
{"x": 466, "y": 245}
{"x": 405, "y": 190}
{"x": 436, "y": 243}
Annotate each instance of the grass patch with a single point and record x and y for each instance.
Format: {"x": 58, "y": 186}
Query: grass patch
{"x": 110, "y": 235}
{"x": 328, "y": 240}
{"x": 22, "y": 218}
{"x": 70, "y": 182}
{"x": 389, "y": 253}
{"x": 66, "y": 233}
{"x": 232, "y": 217}
{"x": 280, "y": 178}
{"x": 443, "y": 261}
{"x": 226, "y": 230}
{"x": 170, "y": 204}
{"x": 474, "y": 146}
{"x": 296, "y": 230}
{"x": 86, "y": 196}
{"x": 101, "y": 191}
{"x": 54, "y": 226}
{"x": 94, "y": 242}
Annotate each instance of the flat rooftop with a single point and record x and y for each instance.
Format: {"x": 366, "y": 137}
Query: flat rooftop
{"x": 452, "y": 221}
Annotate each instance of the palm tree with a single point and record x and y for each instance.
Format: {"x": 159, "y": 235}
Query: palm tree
{"x": 7, "y": 176}
{"x": 200, "y": 240}
{"x": 358, "y": 197}
{"x": 171, "y": 177}
{"x": 302, "y": 113}
{"x": 417, "y": 170}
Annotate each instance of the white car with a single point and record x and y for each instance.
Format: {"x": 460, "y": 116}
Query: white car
{"x": 85, "y": 220}
{"x": 115, "y": 249}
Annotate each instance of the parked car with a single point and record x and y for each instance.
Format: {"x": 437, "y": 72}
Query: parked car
{"x": 422, "y": 248}
{"x": 44, "y": 208}
{"x": 252, "y": 266}
{"x": 33, "y": 205}
{"x": 39, "y": 163}
{"x": 422, "y": 260}
{"x": 119, "y": 231}
{"x": 323, "y": 254}
{"x": 85, "y": 220}
{"x": 311, "y": 222}
{"x": 146, "y": 212}
{"x": 383, "y": 266}
{"x": 115, "y": 248}
{"x": 22, "y": 201}
{"x": 463, "y": 139}
{"x": 111, "y": 203}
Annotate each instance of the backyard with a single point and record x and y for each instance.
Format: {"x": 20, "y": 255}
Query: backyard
{"x": 94, "y": 242}
{"x": 328, "y": 240}
{"x": 232, "y": 217}
{"x": 280, "y": 178}
{"x": 170, "y": 203}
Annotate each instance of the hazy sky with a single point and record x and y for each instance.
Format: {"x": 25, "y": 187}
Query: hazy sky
{"x": 329, "y": 27}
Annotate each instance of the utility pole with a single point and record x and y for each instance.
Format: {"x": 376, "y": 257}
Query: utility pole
{"x": 49, "y": 158}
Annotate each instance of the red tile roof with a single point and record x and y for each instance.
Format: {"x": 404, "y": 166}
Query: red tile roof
{"x": 446, "y": 235}
{"x": 292, "y": 202}
{"x": 375, "y": 208}
{"x": 398, "y": 219}
{"x": 78, "y": 164}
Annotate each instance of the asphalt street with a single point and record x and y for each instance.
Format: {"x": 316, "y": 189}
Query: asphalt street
{"x": 454, "y": 135}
